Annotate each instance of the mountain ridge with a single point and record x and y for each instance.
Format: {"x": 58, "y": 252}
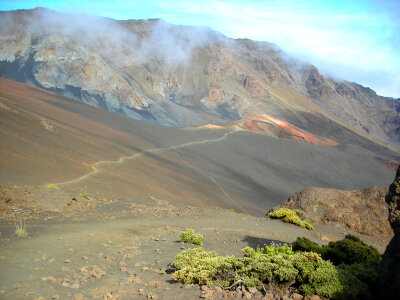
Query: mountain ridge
{"x": 182, "y": 76}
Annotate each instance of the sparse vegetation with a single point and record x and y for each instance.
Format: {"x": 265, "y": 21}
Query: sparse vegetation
{"x": 190, "y": 237}
{"x": 20, "y": 229}
{"x": 306, "y": 270}
{"x": 348, "y": 251}
{"x": 83, "y": 195}
{"x": 350, "y": 255}
{"x": 52, "y": 187}
{"x": 277, "y": 267}
{"x": 291, "y": 216}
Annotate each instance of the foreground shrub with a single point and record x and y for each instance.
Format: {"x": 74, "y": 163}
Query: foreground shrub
{"x": 305, "y": 245}
{"x": 259, "y": 268}
{"x": 321, "y": 277}
{"x": 357, "y": 263}
{"x": 351, "y": 250}
{"x": 190, "y": 237}
{"x": 291, "y": 216}
{"x": 348, "y": 251}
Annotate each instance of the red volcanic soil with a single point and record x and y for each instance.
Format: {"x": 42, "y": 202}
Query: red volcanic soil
{"x": 266, "y": 124}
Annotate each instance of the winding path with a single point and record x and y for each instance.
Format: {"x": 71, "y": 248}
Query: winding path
{"x": 102, "y": 164}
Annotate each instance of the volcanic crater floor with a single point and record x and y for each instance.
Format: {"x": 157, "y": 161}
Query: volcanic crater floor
{"x": 122, "y": 248}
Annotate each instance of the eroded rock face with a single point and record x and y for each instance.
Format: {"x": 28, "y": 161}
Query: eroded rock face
{"x": 389, "y": 272}
{"x": 363, "y": 211}
{"x": 151, "y": 70}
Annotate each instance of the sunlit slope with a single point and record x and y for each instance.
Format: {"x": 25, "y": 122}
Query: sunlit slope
{"x": 46, "y": 138}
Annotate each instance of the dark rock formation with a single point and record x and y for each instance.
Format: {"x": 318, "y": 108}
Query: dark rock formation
{"x": 363, "y": 211}
{"x": 389, "y": 271}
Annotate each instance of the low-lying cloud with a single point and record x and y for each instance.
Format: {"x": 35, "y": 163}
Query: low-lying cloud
{"x": 116, "y": 39}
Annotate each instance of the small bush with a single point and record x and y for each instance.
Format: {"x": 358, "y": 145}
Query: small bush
{"x": 190, "y": 237}
{"x": 305, "y": 245}
{"x": 352, "y": 250}
{"x": 20, "y": 230}
{"x": 52, "y": 187}
{"x": 348, "y": 251}
{"x": 273, "y": 250}
{"x": 357, "y": 263}
{"x": 291, "y": 216}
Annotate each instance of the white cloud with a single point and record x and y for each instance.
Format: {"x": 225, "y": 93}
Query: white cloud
{"x": 326, "y": 38}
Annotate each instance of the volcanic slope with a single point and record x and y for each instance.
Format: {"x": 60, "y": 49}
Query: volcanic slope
{"x": 185, "y": 76}
{"x": 49, "y": 139}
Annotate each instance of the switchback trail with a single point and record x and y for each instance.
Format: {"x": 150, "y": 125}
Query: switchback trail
{"x": 104, "y": 163}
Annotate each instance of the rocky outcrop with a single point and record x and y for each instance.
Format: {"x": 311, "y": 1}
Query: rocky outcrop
{"x": 389, "y": 271}
{"x": 363, "y": 211}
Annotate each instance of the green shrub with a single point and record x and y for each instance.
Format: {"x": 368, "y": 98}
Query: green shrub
{"x": 348, "y": 251}
{"x": 306, "y": 270}
{"x": 190, "y": 237}
{"x": 305, "y": 245}
{"x": 320, "y": 277}
{"x": 291, "y": 216}
{"x": 352, "y": 250}
{"x": 273, "y": 250}
{"x": 199, "y": 266}
{"x": 357, "y": 263}
{"x": 52, "y": 187}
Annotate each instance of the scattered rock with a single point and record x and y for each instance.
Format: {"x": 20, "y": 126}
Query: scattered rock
{"x": 122, "y": 264}
{"x": 246, "y": 295}
{"x": 74, "y": 285}
{"x": 155, "y": 284}
{"x": 315, "y": 297}
{"x": 207, "y": 294}
{"x": 141, "y": 292}
{"x": 269, "y": 297}
{"x": 67, "y": 261}
{"x": 55, "y": 297}
{"x": 252, "y": 290}
{"x": 152, "y": 296}
{"x": 296, "y": 296}
{"x": 77, "y": 297}
{"x": 124, "y": 281}
{"x": 204, "y": 288}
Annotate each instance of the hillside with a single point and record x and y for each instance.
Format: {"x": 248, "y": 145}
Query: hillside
{"x": 49, "y": 139}
{"x": 182, "y": 76}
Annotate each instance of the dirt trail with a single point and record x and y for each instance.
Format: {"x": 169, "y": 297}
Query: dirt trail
{"x": 126, "y": 246}
{"x": 103, "y": 164}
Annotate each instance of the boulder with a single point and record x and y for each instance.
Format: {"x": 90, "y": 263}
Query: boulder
{"x": 363, "y": 211}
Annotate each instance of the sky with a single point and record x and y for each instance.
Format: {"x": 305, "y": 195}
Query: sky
{"x": 353, "y": 40}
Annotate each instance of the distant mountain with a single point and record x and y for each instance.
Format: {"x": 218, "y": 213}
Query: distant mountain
{"x": 181, "y": 76}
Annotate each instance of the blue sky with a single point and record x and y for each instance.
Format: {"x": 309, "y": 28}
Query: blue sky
{"x": 353, "y": 40}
